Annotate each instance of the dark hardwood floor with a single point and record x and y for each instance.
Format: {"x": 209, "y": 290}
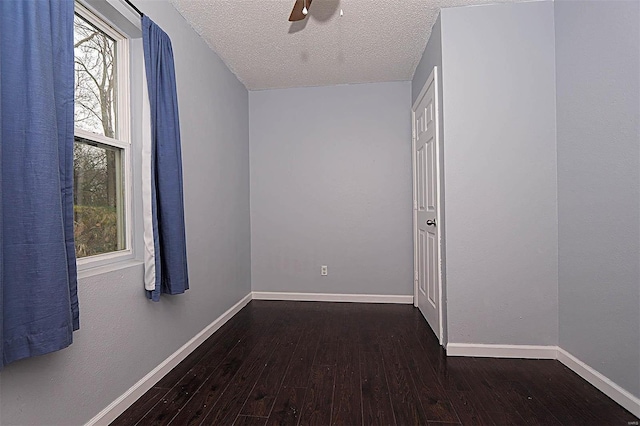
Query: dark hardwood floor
{"x": 299, "y": 363}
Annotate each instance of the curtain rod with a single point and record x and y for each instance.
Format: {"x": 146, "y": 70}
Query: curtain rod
{"x": 133, "y": 6}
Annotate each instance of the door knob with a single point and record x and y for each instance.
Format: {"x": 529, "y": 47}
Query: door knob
{"x": 431, "y": 222}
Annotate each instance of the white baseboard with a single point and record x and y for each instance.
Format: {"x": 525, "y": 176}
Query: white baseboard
{"x": 502, "y": 351}
{"x": 597, "y": 379}
{"x": 328, "y": 297}
{"x": 117, "y": 407}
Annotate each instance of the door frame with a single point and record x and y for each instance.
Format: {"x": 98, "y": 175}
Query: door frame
{"x": 433, "y": 78}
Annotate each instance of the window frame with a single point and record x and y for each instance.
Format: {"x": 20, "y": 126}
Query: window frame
{"x": 123, "y": 142}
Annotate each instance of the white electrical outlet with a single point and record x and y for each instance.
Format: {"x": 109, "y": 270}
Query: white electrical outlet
{"x": 324, "y": 270}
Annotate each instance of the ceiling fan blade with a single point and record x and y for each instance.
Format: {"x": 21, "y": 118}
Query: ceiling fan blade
{"x": 296, "y": 13}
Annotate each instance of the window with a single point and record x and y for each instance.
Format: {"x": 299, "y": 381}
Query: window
{"x": 101, "y": 150}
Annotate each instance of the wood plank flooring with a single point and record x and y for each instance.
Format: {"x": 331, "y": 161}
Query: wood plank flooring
{"x": 307, "y": 363}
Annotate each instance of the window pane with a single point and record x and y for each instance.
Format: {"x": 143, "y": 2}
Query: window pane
{"x": 95, "y": 79}
{"x": 98, "y": 198}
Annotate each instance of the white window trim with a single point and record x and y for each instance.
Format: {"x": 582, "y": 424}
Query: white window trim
{"x": 123, "y": 142}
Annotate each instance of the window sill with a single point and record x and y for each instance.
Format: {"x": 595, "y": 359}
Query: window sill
{"x": 111, "y": 267}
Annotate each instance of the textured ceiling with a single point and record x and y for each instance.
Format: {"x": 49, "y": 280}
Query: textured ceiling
{"x": 375, "y": 40}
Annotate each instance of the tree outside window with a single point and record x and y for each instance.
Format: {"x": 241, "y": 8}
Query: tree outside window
{"x": 98, "y": 171}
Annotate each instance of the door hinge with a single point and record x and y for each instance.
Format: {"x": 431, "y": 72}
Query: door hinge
{"x": 415, "y": 205}
{"x": 415, "y": 275}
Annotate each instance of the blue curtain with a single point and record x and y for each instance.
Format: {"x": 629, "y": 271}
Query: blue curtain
{"x": 166, "y": 165}
{"x": 37, "y": 253}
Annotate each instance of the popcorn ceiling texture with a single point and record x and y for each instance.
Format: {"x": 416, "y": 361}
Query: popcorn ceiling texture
{"x": 375, "y": 40}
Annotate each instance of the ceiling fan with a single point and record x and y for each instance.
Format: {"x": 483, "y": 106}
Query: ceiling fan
{"x": 300, "y": 10}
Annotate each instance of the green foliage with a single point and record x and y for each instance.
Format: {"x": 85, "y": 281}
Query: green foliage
{"x": 95, "y": 230}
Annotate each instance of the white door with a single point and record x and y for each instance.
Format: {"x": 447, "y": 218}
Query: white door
{"x": 426, "y": 195}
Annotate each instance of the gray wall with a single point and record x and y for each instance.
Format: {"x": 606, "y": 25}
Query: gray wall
{"x": 500, "y": 175}
{"x": 598, "y": 102}
{"x": 431, "y": 57}
{"x": 331, "y": 185}
{"x": 123, "y": 336}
